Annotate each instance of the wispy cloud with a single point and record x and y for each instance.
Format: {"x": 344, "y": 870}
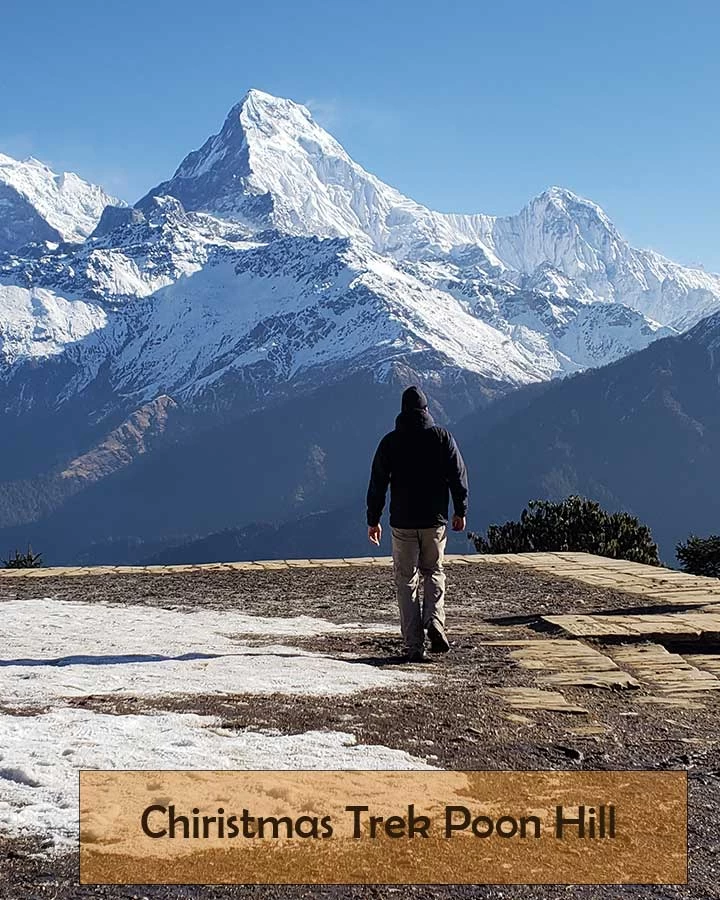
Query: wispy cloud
{"x": 325, "y": 112}
{"x": 333, "y": 113}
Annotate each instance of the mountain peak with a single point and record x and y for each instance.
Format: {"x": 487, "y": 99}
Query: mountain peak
{"x": 262, "y": 101}
{"x": 274, "y": 125}
{"x": 585, "y": 215}
{"x": 563, "y": 198}
{"x": 270, "y": 166}
{"x": 40, "y": 205}
{"x": 258, "y": 96}
{"x": 258, "y": 106}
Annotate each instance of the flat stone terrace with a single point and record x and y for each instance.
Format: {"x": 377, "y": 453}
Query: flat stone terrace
{"x": 558, "y": 661}
{"x": 630, "y": 577}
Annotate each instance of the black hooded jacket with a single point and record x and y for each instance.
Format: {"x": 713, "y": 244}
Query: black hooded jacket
{"x": 423, "y": 466}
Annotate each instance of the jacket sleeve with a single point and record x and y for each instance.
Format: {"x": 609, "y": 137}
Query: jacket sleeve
{"x": 379, "y": 480}
{"x": 457, "y": 477}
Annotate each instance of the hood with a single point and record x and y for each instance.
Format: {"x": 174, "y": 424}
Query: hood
{"x": 413, "y": 398}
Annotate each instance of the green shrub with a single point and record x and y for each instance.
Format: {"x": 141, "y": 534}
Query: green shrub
{"x": 575, "y": 524}
{"x": 700, "y": 556}
{"x": 27, "y": 560}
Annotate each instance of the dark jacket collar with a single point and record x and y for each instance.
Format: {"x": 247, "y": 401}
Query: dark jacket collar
{"x": 413, "y": 419}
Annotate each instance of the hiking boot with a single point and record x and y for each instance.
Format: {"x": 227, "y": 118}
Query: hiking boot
{"x": 438, "y": 639}
{"x": 417, "y": 656}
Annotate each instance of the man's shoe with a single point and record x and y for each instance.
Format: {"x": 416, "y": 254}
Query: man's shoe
{"x": 417, "y": 656}
{"x": 438, "y": 640}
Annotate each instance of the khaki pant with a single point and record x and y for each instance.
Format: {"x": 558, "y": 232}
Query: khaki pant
{"x": 419, "y": 551}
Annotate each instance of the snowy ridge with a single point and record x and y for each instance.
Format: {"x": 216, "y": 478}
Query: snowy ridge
{"x": 175, "y": 303}
{"x": 272, "y": 163}
{"x": 707, "y": 334}
{"x": 37, "y": 204}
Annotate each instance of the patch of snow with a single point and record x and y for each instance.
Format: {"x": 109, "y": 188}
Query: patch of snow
{"x": 38, "y": 322}
{"x": 272, "y": 669}
{"x": 48, "y": 628}
{"x": 40, "y": 757}
{"x": 61, "y": 650}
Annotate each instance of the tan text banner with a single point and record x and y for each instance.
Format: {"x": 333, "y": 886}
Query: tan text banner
{"x": 399, "y": 827}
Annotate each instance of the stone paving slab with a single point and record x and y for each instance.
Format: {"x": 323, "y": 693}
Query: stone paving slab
{"x": 585, "y": 626}
{"x": 684, "y": 701}
{"x": 534, "y": 698}
{"x": 595, "y": 730}
{"x": 708, "y": 662}
{"x": 650, "y": 627}
{"x": 567, "y": 662}
{"x": 665, "y": 672}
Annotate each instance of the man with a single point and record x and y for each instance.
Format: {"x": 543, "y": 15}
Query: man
{"x": 422, "y": 464}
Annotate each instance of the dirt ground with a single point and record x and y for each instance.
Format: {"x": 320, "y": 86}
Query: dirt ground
{"x": 453, "y": 721}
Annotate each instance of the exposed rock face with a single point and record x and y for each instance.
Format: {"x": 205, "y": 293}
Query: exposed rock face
{"x": 124, "y": 444}
{"x": 30, "y": 499}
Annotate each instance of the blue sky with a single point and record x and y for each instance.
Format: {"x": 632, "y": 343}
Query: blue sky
{"x": 468, "y": 106}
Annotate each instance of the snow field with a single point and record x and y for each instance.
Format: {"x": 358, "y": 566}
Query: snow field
{"x": 55, "y": 650}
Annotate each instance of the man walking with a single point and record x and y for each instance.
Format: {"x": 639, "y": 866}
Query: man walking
{"x": 422, "y": 464}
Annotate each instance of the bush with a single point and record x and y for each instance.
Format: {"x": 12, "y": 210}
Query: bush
{"x": 27, "y": 560}
{"x": 575, "y": 524}
{"x": 700, "y": 556}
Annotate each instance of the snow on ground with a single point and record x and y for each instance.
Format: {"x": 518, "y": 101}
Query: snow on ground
{"x": 54, "y": 650}
{"x": 66, "y": 629}
{"x": 266, "y": 670}
{"x": 41, "y": 756}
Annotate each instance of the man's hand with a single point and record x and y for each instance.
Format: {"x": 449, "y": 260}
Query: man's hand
{"x": 374, "y": 534}
{"x": 458, "y": 523}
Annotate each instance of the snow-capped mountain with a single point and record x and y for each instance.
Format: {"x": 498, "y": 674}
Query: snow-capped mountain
{"x": 271, "y": 258}
{"x": 575, "y": 237}
{"x": 272, "y": 165}
{"x": 38, "y": 205}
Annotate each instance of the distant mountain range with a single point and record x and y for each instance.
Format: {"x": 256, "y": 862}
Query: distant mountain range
{"x": 225, "y": 354}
